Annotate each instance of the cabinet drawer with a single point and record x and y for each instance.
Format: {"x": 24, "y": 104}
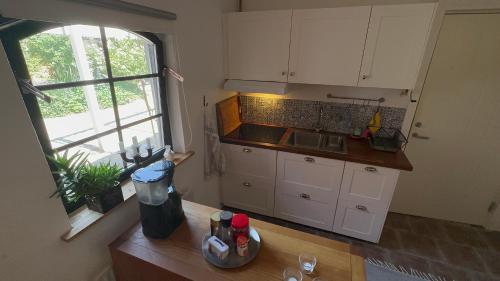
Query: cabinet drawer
{"x": 368, "y": 184}
{"x": 316, "y": 176}
{"x": 250, "y": 160}
{"x": 360, "y": 221}
{"x": 255, "y": 194}
{"x": 303, "y": 211}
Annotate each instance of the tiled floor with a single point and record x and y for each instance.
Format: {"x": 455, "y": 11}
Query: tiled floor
{"x": 451, "y": 250}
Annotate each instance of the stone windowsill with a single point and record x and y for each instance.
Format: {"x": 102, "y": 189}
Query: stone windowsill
{"x": 84, "y": 218}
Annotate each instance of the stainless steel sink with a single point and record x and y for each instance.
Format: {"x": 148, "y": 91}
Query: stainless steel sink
{"x": 305, "y": 139}
{"x": 317, "y": 141}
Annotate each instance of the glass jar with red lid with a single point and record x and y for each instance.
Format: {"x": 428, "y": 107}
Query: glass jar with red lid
{"x": 240, "y": 226}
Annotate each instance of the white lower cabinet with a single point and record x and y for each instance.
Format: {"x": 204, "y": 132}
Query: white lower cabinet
{"x": 249, "y": 180}
{"x": 254, "y": 194}
{"x": 307, "y": 189}
{"x": 361, "y": 221}
{"x": 344, "y": 197}
{"x": 364, "y": 200}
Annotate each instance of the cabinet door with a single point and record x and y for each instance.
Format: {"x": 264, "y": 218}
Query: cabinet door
{"x": 254, "y": 194}
{"x": 250, "y": 160}
{"x": 307, "y": 189}
{"x": 359, "y": 221}
{"x": 327, "y": 45}
{"x": 257, "y": 45}
{"x": 368, "y": 184}
{"x": 397, "y": 36}
{"x": 365, "y": 196}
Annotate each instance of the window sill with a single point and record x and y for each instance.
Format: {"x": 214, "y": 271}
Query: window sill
{"x": 83, "y": 218}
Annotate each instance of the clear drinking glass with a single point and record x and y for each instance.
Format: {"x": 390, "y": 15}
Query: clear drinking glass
{"x": 307, "y": 263}
{"x": 292, "y": 274}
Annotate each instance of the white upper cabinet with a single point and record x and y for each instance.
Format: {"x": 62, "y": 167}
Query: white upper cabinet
{"x": 257, "y": 45}
{"x": 327, "y": 45}
{"x": 395, "y": 44}
{"x": 379, "y": 46}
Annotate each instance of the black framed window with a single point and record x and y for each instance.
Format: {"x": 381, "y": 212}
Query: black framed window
{"x": 105, "y": 86}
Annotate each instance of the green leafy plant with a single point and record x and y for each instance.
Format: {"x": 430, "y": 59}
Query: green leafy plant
{"x": 68, "y": 174}
{"x": 99, "y": 178}
{"x": 49, "y": 58}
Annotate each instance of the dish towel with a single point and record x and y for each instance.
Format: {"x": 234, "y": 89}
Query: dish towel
{"x": 214, "y": 162}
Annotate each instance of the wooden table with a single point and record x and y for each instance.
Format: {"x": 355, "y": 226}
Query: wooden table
{"x": 179, "y": 257}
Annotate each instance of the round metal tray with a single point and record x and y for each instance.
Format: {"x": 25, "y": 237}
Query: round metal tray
{"x": 233, "y": 260}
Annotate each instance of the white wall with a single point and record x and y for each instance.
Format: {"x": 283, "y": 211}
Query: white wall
{"x": 31, "y": 224}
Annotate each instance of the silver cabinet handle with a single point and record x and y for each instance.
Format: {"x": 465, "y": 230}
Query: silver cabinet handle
{"x": 309, "y": 159}
{"x": 370, "y": 169}
{"x": 292, "y": 73}
{"x": 362, "y": 208}
{"x": 366, "y": 76}
{"x": 248, "y": 150}
{"x": 283, "y": 73}
{"x": 246, "y": 184}
{"x": 417, "y": 136}
{"x": 305, "y": 196}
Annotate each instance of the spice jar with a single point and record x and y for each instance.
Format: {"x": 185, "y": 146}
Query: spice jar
{"x": 239, "y": 225}
{"x": 225, "y": 229}
{"x": 214, "y": 223}
{"x": 242, "y": 246}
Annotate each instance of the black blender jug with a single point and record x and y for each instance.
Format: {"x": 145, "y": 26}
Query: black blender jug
{"x": 160, "y": 204}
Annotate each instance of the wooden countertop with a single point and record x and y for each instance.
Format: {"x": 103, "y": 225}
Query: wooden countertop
{"x": 179, "y": 257}
{"x": 357, "y": 151}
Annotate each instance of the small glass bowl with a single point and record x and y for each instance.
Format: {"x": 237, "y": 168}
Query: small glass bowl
{"x": 292, "y": 274}
{"x": 307, "y": 262}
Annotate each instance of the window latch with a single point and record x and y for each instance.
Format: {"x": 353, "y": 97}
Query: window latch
{"x": 28, "y": 89}
{"x": 168, "y": 70}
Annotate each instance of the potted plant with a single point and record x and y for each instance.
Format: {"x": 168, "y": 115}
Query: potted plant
{"x": 100, "y": 186}
{"x": 67, "y": 174}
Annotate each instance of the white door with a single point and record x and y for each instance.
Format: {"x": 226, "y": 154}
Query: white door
{"x": 327, "y": 45}
{"x": 257, "y": 45}
{"x": 457, "y": 169}
{"x": 395, "y": 43}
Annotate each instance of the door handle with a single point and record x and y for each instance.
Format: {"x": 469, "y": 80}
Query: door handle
{"x": 305, "y": 196}
{"x": 362, "y": 208}
{"x": 366, "y": 76}
{"x": 309, "y": 159}
{"x": 248, "y": 150}
{"x": 371, "y": 169}
{"x": 417, "y": 136}
{"x": 246, "y": 184}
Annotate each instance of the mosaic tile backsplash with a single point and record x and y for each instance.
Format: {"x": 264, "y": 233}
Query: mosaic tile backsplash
{"x": 337, "y": 117}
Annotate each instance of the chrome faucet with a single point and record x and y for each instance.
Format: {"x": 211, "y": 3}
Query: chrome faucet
{"x": 318, "y": 128}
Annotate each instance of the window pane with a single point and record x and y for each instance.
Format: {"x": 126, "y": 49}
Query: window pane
{"x": 137, "y": 99}
{"x": 65, "y": 54}
{"x": 102, "y": 150}
{"x": 149, "y": 129}
{"x": 130, "y": 54}
{"x": 76, "y": 113}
